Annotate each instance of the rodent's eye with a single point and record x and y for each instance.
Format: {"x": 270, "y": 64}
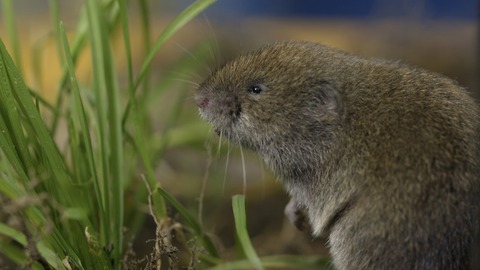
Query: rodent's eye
{"x": 255, "y": 89}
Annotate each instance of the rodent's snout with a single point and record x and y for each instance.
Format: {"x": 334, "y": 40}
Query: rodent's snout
{"x": 202, "y": 101}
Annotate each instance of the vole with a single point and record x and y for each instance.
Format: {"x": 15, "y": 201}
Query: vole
{"x": 382, "y": 158}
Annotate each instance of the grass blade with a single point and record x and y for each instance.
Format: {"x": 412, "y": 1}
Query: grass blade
{"x": 238, "y": 205}
{"x": 19, "y": 237}
{"x": 9, "y": 20}
{"x": 17, "y": 256}
{"x": 55, "y": 18}
{"x": 50, "y": 256}
{"x": 106, "y": 89}
{"x": 12, "y": 131}
{"x": 53, "y": 158}
{"x": 8, "y": 149}
{"x": 139, "y": 137}
{"x": 85, "y": 135}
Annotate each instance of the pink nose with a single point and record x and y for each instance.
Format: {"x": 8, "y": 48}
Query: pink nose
{"x": 202, "y": 102}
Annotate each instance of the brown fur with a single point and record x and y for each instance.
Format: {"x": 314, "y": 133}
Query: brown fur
{"x": 382, "y": 157}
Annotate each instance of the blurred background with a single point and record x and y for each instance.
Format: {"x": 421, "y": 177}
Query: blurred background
{"x": 439, "y": 35}
{"x": 436, "y": 34}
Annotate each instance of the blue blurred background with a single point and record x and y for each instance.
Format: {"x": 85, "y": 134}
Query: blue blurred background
{"x": 365, "y": 9}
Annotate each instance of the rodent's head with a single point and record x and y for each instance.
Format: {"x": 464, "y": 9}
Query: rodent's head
{"x": 277, "y": 93}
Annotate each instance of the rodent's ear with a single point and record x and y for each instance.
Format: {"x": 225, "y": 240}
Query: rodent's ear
{"x": 330, "y": 100}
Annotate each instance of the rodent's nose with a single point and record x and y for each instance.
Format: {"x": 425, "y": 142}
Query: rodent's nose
{"x": 202, "y": 102}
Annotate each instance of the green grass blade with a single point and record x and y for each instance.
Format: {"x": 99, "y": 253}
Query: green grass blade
{"x": 146, "y": 34}
{"x": 43, "y": 101}
{"x": 108, "y": 97}
{"x": 139, "y": 137}
{"x": 126, "y": 39}
{"x": 99, "y": 87}
{"x": 25, "y": 105}
{"x": 11, "y": 118}
{"x": 84, "y": 129}
{"x": 50, "y": 256}
{"x": 10, "y": 187}
{"x": 9, "y": 21}
{"x": 14, "y": 234}
{"x": 55, "y": 18}
{"x": 238, "y": 205}
{"x": 17, "y": 256}
{"x": 7, "y": 146}
{"x": 82, "y": 35}
{"x": 78, "y": 44}
{"x": 189, "y": 219}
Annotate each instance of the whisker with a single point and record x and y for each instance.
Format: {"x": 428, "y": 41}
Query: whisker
{"x": 215, "y": 49}
{"x": 208, "y": 147}
{"x": 186, "y": 81}
{"x": 194, "y": 57}
{"x": 244, "y": 171}
{"x": 186, "y": 74}
{"x": 227, "y": 161}
{"x": 219, "y": 146}
{"x": 263, "y": 176}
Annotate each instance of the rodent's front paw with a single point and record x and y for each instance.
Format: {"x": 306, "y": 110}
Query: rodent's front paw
{"x": 296, "y": 216}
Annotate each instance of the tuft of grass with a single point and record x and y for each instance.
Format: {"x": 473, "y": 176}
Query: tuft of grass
{"x": 71, "y": 200}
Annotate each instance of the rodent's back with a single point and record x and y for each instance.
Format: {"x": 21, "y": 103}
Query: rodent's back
{"x": 400, "y": 118}
{"x": 414, "y": 138}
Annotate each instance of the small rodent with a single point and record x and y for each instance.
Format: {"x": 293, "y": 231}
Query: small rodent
{"x": 382, "y": 158}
